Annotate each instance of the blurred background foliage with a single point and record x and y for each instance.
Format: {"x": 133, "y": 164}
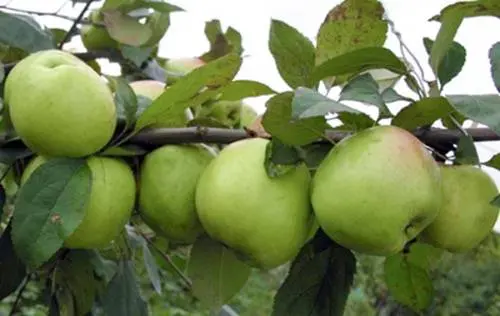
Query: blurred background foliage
{"x": 464, "y": 284}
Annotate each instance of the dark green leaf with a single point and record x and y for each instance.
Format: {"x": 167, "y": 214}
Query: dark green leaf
{"x": 314, "y": 154}
{"x": 221, "y": 43}
{"x": 349, "y": 26}
{"x": 358, "y": 61}
{"x": 179, "y": 96}
{"x": 390, "y": 95}
{"x": 125, "y": 29}
{"x": 318, "y": 282}
{"x": 280, "y": 158}
{"x": 122, "y": 296}
{"x": 494, "y": 55}
{"x": 50, "y": 206}
{"x": 216, "y": 272}
{"x": 58, "y": 35}
{"x": 293, "y": 54}
{"x": 466, "y": 151}
{"x": 12, "y": 269}
{"x": 277, "y": 122}
{"x": 22, "y": 31}
{"x": 125, "y": 100}
{"x": 494, "y": 162}
{"x": 496, "y": 201}
{"x": 138, "y": 55}
{"x": 8, "y": 155}
{"x": 356, "y": 121}
{"x": 479, "y": 108}
{"x": 207, "y": 122}
{"x": 151, "y": 267}
{"x": 364, "y": 88}
{"x": 2, "y": 77}
{"x": 240, "y": 89}
{"x": 423, "y": 112}
{"x": 452, "y": 61}
{"x": 309, "y": 103}
{"x": 409, "y": 283}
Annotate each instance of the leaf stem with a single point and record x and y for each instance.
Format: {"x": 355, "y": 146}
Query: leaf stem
{"x": 19, "y": 295}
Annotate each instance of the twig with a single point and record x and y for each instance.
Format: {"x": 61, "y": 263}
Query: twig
{"x": 53, "y": 14}
{"x": 167, "y": 259}
{"x": 75, "y": 24}
{"x": 19, "y": 295}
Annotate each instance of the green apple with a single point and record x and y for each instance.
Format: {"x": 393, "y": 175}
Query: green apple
{"x": 95, "y": 36}
{"x": 110, "y": 204}
{"x": 376, "y": 190}
{"x": 466, "y": 216}
{"x": 265, "y": 220}
{"x": 152, "y": 89}
{"x": 182, "y": 66}
{"x": 167, "y": 186}
{"x": 247, "y": 116}
{"x": 223, "y": 111}
{"x": 59, "y": 106}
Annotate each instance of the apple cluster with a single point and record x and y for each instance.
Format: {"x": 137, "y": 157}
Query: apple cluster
{"x": 374, "y": 192}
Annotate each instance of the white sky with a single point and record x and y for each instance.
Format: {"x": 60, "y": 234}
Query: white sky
{"x": 252, "y": 19}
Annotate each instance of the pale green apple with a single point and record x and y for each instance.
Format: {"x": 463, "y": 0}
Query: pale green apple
{"x": 152, "y": 89}
{"x": 96, "y": 37}
{"x": 167, "y": 185}
{"x": 110, "y": 203}
{"x": 265, "y": 220}
{"x": 223, "y": 111}
{"x": 376, "y": 190}
{"x": 59, "y": 106}
{"x": 466, "y": 216}
{"x": 182, "y": 66}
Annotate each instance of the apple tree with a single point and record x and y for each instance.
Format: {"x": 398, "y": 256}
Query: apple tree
{"x": 164, "y": 171}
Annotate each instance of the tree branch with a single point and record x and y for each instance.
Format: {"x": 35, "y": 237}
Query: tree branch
{"x": 53, "y": 14}
{"x": 75, "y": 24}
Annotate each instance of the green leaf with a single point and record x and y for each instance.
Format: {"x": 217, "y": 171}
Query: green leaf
{"x": 318, "y": 282}
{"x": 480, "y": 108}
{"x": 159, "y": 6}
{"x": 117, "y": 4}
{"x": 494, "y": 55}
{"x": 358, "y": 61}
{"x": 277, "y": 122}
{"x": 349, "y": 26}
{"x": 2, "y": 77}
{"x": 390, "y": 95}
{"x": 12, "y": 269}
{"x": 158, "y": 23}
{"x": 58, "y": 35}
{"x": 50, "y": 206}
{"x": 496, "y": 201}
{"x": 127, "y": 150}
{"x": 125, "y": 29}
{"x": 452, "y": 62}
{"x": 23, "y": 32}
{"x": 138, "y": 55}
{"x": 280, "y": 158}
{"x": 122, "y": 296}
{"x": 75, "y": 272}
{"x": 8, "y": 155}
{"x": 314, "y": 154}
{"x": 151, "y": 267}
{"x": 308, "y": 103}
{"x": 175, "y": 99}
{"x": 494, "y": 162}
{"x": 355, "y": 121}
{"x": 466, "y": 151}
{"x": 221, "y": 43}
{"x": 216, "y": 273}
{"x": 364, "y": 88}
{"x": 409, "y": 283}
{"x": 422, "y": 112}
{"x": 125, "y": 100}
{"x": 293, "y": 54}
{"x": 241, "y": 89}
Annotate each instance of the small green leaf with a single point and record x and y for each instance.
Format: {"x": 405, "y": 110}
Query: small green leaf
{"x": 12, "y": 269}
{"x": 422, "y": 112}
{"x": 494, "y": 55}
{"x": 127, "y": 150}
{"x": 452, "y": 62}
{"x": 138, "y": 55}
{"x": 466, "y": 151}
{"x": 318, "y": 282}
{"x": 314, "y": 154}
{"x": 349, "y": 26}
{"x": 50, "y": 206}
{"x": 364, "y": 88}
{"x": 390, "y": 95}
{"x": 409, "y": 283}
{"x": 358, "y": 61}
{"x": 23, "y": 32}
{"x": 240, "y": 89}
{"x": 207, "y": 122}
{"x": 355, "y": 121}
{"x": 125, "y": 29}
{"x": 122, "y": 296}
{"x": 216, "y": 272}
{"x": 125, "y": 100}
{"x": 173, "y": 102}
{"x": 494, "y": 162}
{"x": 308, "y": 103}
{"x": 277, "y": 122}
{"x": 293, "y": 54}
{"x": 280, "y": 158}
{"x": 480, "y": 108}
{"x": 221, "y": 43}
{"x": 496, "y": 201}
{"x": 151, "y": 267}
